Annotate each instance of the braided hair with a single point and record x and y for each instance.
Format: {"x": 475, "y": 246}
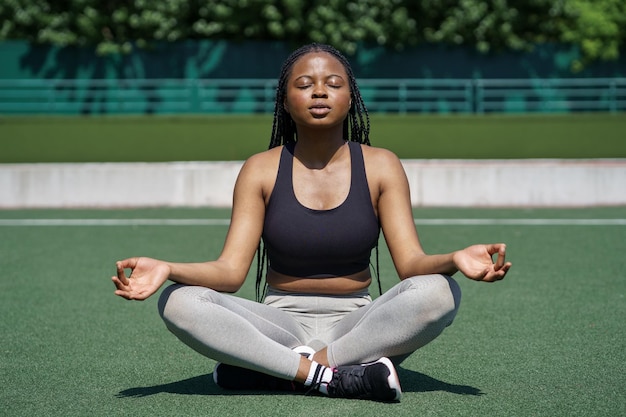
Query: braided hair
{"x": 356, "y": 128}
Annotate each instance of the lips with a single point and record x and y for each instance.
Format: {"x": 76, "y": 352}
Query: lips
{"x": 319, "y": 109}
{"x": 319, "y": 106}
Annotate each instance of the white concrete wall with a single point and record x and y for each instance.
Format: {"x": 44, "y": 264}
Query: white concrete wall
{"x": 517, "y": 183}
{"x": 461, "y": 183}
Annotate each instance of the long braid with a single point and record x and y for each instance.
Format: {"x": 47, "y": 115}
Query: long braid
{"x": 261, "y": 256}
{"x": 356, "y": 128}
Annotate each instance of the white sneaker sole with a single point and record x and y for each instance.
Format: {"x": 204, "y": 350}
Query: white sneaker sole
{"x": 305, "y": 351}
{"x": 394, "y": 381}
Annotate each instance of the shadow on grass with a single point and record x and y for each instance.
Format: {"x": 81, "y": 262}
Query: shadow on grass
{"x": 198, "y": 385}
{"x": 412, "y": 381}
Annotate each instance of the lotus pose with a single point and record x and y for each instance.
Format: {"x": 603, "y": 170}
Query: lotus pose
{"x": 311, "y": 208}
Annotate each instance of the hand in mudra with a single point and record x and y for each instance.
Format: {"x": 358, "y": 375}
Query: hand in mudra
{"x": 476, "y": 262}
{"x": 146, "y": 277}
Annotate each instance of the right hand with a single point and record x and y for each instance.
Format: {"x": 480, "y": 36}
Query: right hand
{"x": 476, "y": 262}
{"x": 146, "y": 277}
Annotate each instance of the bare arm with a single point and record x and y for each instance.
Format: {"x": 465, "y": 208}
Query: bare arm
{"x": 396, "y": 217}
{"x": 229, "y": 271}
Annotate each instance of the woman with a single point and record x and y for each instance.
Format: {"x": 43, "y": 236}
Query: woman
{"x": 317, "y": 199}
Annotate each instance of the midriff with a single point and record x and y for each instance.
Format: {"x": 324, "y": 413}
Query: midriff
{"x": 334, "y": 285}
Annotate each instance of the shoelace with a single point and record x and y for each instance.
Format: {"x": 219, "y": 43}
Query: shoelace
{"x": 349, "y": 382}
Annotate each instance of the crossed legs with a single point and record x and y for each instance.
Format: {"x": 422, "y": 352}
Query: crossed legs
{"x": 256, "y": 336}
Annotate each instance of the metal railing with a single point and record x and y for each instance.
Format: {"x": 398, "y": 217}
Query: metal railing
{"x": 551, "y": 95}
{"x": 176, "y": 96}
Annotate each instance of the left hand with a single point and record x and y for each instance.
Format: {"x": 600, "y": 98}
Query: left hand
{"x": 147, "y": 276}
{"x": 476, "y": 262}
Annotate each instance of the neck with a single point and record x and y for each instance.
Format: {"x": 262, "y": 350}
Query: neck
{"x": 318, "y": 151}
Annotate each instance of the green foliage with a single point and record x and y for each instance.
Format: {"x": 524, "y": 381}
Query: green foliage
{"x": 596, "y": 27}
{"x": 487, "y": 25}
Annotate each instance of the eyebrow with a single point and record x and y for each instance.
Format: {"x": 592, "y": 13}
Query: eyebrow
{"x": 309, "y": 76}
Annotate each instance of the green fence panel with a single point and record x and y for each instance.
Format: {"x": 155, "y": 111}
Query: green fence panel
{"x": 222, "y": 96}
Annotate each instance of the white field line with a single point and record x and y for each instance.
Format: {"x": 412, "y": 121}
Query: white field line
{"x": 521, "y": 222}
{"x": 114, "y": 222}
{"x": 226, "y": 222}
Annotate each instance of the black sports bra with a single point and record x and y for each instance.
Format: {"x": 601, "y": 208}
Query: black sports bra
{"x": 304, "y": 242}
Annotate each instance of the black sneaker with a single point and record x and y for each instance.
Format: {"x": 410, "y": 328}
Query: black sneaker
{"x": 236, "y": 378}
{"x": 371, "y": 381}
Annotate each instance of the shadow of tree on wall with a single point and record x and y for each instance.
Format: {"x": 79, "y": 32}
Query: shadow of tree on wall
{"x": 150, "y": 80}
{"x": 160, "y": 79}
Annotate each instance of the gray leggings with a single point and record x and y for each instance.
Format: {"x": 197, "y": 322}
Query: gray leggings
{"x": 354, "y": 328}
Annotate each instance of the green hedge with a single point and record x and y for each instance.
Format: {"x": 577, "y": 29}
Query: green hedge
{"x": 596, "y": 27}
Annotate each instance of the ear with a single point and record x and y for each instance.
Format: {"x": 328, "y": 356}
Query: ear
{"x": 285, "y": 106}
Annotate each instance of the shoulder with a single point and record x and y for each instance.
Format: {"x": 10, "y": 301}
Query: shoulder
{"x": 375, "y": 155}
{"x": 260, "y": 170}
{"x": 381, "y": 163}
{"x": 263, "y": 162}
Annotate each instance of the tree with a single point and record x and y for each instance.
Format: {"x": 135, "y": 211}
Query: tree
{"x": 596, "y": 27}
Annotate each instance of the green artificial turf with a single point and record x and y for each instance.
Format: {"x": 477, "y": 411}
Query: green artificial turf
{"x": 217, "y": 138}
{"x": 546, "y": 341}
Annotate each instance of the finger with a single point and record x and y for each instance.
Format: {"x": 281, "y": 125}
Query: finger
{"x": 493, "y": 278}
{"x": 120, "y": 289}
{"x": 130, "y": 263}
{"x": 118, "y": 284}
{"x": 481, "y": 275}
{"x": 132, "y": 295}
{"x": 121, "y": 275}
{"x": 498, "y": 275}
{"x": 501, "y": 257}
{"x": 116, "y": 281}
{"x": 495, "y": 247}
{"x": 123, "y": 294}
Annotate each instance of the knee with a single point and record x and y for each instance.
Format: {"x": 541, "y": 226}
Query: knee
{"x": 178, "y": 303}
{"x": 164, "y": 303}
{"x": 440, "y": 295}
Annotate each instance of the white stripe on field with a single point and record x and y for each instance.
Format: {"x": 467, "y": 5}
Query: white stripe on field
{"x": 521, "y": 222}
{"x": 114, "y": 222}
{"x": 226, "y": 222}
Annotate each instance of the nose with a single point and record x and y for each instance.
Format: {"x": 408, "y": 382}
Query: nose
{"x": 319, "y": 90}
